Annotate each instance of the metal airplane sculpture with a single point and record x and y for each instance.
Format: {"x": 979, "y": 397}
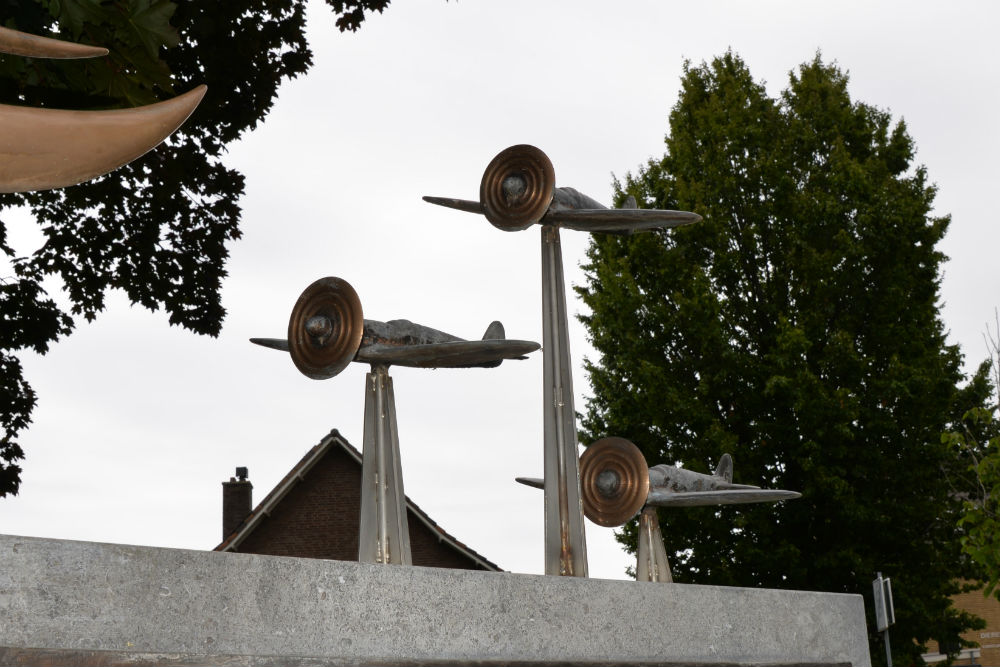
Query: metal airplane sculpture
{"x": 41, "y": 149}
{"x": 517, "y": 191}
{"x": 326, "y": 332}
{"x": 616, "y": 485}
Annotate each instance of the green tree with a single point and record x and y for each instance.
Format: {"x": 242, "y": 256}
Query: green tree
{"x": 157, "y": 228}
{"x": 978, "y": 437}
{"x": 797, "y": 328}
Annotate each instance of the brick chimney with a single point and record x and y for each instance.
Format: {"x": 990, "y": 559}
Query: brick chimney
{"x": 237, "y": 501}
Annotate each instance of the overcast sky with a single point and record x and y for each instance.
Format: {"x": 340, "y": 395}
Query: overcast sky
{"x": 139, "y": 423}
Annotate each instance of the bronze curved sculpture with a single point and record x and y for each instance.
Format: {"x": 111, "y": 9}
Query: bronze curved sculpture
{"x": 42, "y": 149}
{"x": 19, "y": 43}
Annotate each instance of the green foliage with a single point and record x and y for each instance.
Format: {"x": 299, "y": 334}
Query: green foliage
{"x": 978, "y": 437}
{"x": 158, "y": 227}
{"x": 797, "y": 328}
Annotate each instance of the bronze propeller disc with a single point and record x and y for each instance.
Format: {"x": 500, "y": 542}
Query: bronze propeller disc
{"x": 614, "y": 481}
{"x": 517, "y": 186}
{"x": 325, "y": 328}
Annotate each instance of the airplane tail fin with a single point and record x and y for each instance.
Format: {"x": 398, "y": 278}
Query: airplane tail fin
{"x": 494, "y": 331}
{"x": 725, "y": 468}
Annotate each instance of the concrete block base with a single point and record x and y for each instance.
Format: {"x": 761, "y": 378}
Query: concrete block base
{"x": 81, "y": 603}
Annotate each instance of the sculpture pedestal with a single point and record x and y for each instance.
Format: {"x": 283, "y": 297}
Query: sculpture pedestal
{"x": 384, "y": 536}
{"x": 651, "y": 562}
{"x": 565, "y": 537}
{"x": 76, "y": 603}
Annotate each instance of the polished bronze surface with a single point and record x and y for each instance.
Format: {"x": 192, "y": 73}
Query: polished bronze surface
{"x": 19, "y": 43}
{"x": 328, "y": 301}
{"x": 614, "y": 481}
{"x": 42, "y": 149}
{"x": 517, "y": 187}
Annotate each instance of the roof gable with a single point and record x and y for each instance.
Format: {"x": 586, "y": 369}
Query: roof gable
{"x": 333, "y": 443}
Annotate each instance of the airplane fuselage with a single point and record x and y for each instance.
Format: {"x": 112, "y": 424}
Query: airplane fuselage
{"x": 679, "y": 480}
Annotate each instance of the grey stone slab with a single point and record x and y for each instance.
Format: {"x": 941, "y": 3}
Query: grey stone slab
{"x": 81, "y": 596}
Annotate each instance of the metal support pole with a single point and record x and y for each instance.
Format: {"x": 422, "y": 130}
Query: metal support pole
{"x": 888, "y": 650}
{"x": 565, "y": 540}
{"x": 384, "y": 536}
{"x": 651, "y": 562}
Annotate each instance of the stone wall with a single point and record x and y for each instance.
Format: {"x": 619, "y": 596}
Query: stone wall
{"x": 86, "y": 603}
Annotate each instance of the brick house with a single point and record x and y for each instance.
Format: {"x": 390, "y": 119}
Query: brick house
{"x": 314, "y": 512}
{"x": 987, "y": 653}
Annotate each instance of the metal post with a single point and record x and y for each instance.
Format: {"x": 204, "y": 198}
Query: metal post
{"x": 651, "y": 561}
{"x": 384, "y": 536}
{"x": 885, "y": 613}
{"x": 565, "y": 540}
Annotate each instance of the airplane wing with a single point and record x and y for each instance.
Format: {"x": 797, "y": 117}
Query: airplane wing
{"x": 662, "y": 498}
{"x": 619, "y": 220}
{"x": 572, "y": 209}
{"x": 457, "y": 354}
{"x": 458, "y": 204}
{"x": 611, "y": 220}
{"x": 273, "y": 343}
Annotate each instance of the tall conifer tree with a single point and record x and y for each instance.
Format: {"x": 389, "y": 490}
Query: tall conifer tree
{"x": 798, "y": 328}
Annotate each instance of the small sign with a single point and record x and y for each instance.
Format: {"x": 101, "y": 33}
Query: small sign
{"x": 885, "y": 615}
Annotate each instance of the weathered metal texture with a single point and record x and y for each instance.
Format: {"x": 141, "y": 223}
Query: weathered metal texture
{"x": 614, "y": 481}
{"x": 561, "y": 213}
{"x": 327, "y": 331}
{"x": 280, "y": 344}
{"x": 651, "y": 557}
{"x": 616, "y": 484}
{"x": 79, "y": 598}
{"x": 400, "y": 333}
{"x": 458, "y": 354}
{"x": 724, "y": 469}
{"x": 571, "y": 199}
{"x": 19, "y": 43}
{"x": 565, "y": 540}
{"x": 384, "y": 535}
{"x": 42, "y": 149}
{"x": 665, "y": 498}
{"x": 325, "y": 328}
{"x": 533, "y": 482}
{"x": 516, "y": 191}
{"x": 516, "y": 188}
{"x": 571, "y": 209}
{"x": 611, "y": 220}
{"x": 671, "y": 486}
{"x": 671, "y": 478}
{"x": 466, "y": 205}
{"x": 486, "y": 353}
